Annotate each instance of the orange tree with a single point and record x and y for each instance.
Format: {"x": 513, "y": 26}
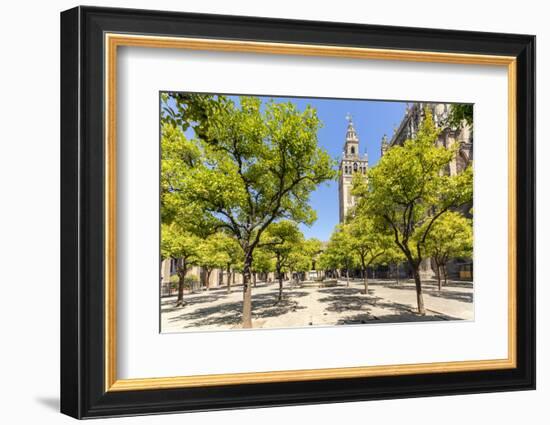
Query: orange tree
{"x": 257, "y": 164}
{"x": 409, "y": 190}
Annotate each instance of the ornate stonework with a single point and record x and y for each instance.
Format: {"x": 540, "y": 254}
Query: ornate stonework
{"x": 410, "y": 124}
{"x": 352, "y": 162}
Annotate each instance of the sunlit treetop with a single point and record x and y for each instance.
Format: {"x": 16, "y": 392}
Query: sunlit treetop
{"x": 256, "y": 163}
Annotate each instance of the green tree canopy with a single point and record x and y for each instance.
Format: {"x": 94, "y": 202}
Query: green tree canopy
{"x": 340, "y": 253}
{"x": 178, "y": 156}
{"x": 263, "y": 261}
{"x": 299, "y": 260}
{"x": 368, "y": 242}
{"x": 451, "y": 237}
{"x": 282, "y": 239}
{"x": 232, "y": 253}
{"x": 408, "y": 190}
{"x": 460, "y": 114}
{"x": 214, "y": 252}
{"x": 258, "y": 164}
{"x": 182, "y": 246}
{"x": 328, "y": 261}
{"x": 313, "y": 248}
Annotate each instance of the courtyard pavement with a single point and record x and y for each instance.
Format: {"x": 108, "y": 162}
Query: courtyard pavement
{"x": 312, "y": 305}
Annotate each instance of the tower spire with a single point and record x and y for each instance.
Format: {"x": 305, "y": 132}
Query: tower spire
{"x": 384, "y": 145}
{"x": 351, "y": 134}
{"x": 352, "y": 163}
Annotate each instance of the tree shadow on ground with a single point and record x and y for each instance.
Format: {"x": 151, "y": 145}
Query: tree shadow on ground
{"x": 432, "y": 289}
{"x": 458, "y": 284}
{"x": 396, "y": 312}
{"x": 221, "y": 314}
{"x": 340, "y": 291}
{"x": 230, "y": 313}
{"x": 167, "y": 306}
{"x": 465, "y": 297}
{"x": 339, "y": 303}
{"x": 267, "y": 305}
{"x": 406, "y": 284}
{"x": 402, "y": 317}
{"x": 344, "y": 299}
{"x": 352, "y": 300}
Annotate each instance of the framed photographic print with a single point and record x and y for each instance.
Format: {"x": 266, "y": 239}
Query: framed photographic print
{"x": 261, "y": 212}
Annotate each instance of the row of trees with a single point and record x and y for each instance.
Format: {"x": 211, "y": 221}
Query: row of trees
{"x": 235, "y": 183}
{"x": 282, "y": 249}
{"x": 359, "y": 244}
{"x": 245, "y": 176}
{"x": 409, "y": 208}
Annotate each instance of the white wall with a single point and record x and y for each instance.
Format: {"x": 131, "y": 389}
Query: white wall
{"x": 29, "y": 224}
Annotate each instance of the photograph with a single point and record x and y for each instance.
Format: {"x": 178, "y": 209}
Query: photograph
{"x": 290, "y": 212}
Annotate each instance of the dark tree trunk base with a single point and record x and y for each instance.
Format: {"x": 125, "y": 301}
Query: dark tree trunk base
{"x": 247, "y": 295}
{"x": 419, "y": 296}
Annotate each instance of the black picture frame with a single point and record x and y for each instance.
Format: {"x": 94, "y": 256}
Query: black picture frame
{"x": 83, "y": 392}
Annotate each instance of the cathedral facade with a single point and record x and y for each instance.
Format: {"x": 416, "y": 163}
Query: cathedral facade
{"x": 448, "y": 137}
{"x": 352, "y": 162}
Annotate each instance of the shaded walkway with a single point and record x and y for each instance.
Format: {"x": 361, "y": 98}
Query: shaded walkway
{"x": 387, "y": 302}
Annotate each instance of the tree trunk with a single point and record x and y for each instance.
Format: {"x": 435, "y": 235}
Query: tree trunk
{"x": 182, "y": 271}
{"x": 228, "y": 279}
{"x": 438, "y": 268}
{"x": 280, "y": 286}
{"x": 208, "y": 273}
{"x": 444, "y": 267}
{"x": 397, "y": 273}
{"x": 366, "y": 281}
{"x": 419, "y": 297}
{"x": 254, "y": 278}
{"x": 347, "y": 277}
{"x": 247, "y": 293}
{"x": 179, "y": 302}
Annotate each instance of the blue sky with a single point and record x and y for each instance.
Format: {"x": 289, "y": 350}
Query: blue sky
{"x": 372, "y": 119}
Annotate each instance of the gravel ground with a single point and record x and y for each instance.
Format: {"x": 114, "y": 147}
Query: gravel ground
{"x": 311, "y": 305}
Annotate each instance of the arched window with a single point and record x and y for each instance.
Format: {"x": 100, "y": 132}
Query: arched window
{"x": 346, "y": 169}
{"x": 352, "y": 150}
{"x": 355, "y": 167}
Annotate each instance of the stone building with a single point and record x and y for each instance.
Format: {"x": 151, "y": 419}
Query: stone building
{"x": 352, "y": 162}
{"x": 408, "y": 128}
{"x": 448, "y": 137}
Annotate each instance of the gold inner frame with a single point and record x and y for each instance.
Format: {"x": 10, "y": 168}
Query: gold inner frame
{"x": 113, "y": 41}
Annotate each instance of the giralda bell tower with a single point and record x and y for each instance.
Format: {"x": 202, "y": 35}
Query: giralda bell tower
{"x": 352, "y": 162}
